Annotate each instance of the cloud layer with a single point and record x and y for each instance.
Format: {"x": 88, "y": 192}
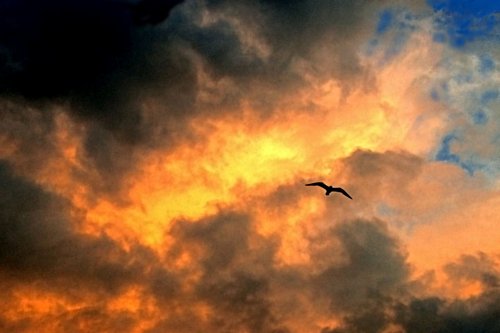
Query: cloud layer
{"x": 153, "y": 156}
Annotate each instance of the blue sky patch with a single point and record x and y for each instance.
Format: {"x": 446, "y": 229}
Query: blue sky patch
{"x": 489, "y": 96}
{"x": 445, "y": 154}
{"x": 474, "y": 7}
{"x": 392, "y": 32}
{"x": 480, "y": 118}
{"x": 465, "y": 21}
{"x": 385, "y": 21}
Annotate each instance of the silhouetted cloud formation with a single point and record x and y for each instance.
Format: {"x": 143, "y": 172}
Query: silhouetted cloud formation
{"x": 91, "y": 54}
{"x": 39, "y": 243}
{"x": 476, "y": 313}
{"x": 374, "y": 267}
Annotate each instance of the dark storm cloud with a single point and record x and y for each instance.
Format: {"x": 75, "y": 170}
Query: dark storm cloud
{"x": 324, "y": 34}
{"x": 152, "y": 11}
{"x": 382, "y": 306}
{"x": 358, "y": 267}
{"x": 100, "y": 61}
{"x": 240, "y": 301}
{"x": 476, "y": 314}
{"x": 236, "y": 270}
{"x": 38, "y": 242}
{"x": 30, "y": 131}
{"x": 31, "y": 219}
{"x": 90, "y": 53}
{"x": 218, "y": 241}
{"x": 370, "y": 273}
{"x": 372, "y": 266}
{"x": 367, "y": 320}
{"x": 98, "y": 55}
{"x": 471, "y": 268}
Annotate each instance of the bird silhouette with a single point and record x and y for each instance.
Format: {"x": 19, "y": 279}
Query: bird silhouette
{"x": 330, "y": 189}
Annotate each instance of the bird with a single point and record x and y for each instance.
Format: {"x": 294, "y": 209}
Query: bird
{"x": 330, "y": 189}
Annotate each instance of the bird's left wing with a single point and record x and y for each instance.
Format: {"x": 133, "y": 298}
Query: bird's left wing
{"x": 341, "y": 190}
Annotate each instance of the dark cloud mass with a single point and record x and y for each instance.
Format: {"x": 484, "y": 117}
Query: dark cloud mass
{"x": 388, "y": 300}
{"x": 360, "y": 267}
{"x": 371, "y": 273}
{"x": 476, "y": 314}
{"x": 372, "y": 267}
{"x": 107, "y": 57}
{"x": 26, "y": 225}
{"x": 99, "y": 60}
{"x": 38, "y": 240}
{"x": 235, "y": 276}
{"x": 90, "y": 53}
{"x": 300, "y": 31}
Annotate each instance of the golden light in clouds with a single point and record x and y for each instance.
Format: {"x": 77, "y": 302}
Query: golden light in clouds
{"x": 234, "y": 159}
{"x": 237, "y": 156}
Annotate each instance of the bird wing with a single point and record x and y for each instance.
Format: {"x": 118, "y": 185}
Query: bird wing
{"x": 321, "y": 184}
{"x": 341, "y": 190}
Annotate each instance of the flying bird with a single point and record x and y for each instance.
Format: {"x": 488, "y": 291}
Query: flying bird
{"x": 330, "y": 189}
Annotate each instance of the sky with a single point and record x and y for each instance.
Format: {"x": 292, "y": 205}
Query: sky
{"x": 153, "y": 157}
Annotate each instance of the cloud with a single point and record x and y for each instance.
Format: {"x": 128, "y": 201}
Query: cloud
{"x": 96, "y": 61}
{"x": 40, "y": 242}
{"x": 465, "y": 83}
{"x": 74, "y": 49}
{"x": 371, "y": 272}
{"x": 357, "y": 264}
{"x": 479, "y": 312}
{"x": 372, "y": 266}
{"x": 475, "y": 268}
{"x": 99, "y": 60}
{"x": 233, "y": 264}
{"x": 391, "y": 298}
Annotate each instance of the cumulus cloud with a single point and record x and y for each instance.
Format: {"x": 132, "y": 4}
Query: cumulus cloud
{"x": 477, "y": 312}
{"x": 106, "y": 64}
{"x": 372, "y": 267}
{"x": 41, "y": 245}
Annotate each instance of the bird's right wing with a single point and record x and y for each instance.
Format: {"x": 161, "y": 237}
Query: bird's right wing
{"x": 321, "y": 184}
